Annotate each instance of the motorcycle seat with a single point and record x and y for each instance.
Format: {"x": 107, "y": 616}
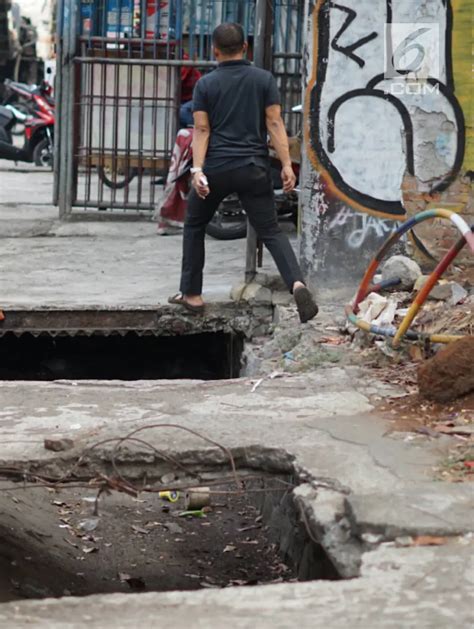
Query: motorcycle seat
{"x": 6, "y": 116}
{"x": 24, "y": 87}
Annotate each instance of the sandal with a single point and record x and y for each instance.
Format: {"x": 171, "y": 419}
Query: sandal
{"x": 307, "y": 307}
{"x": 179, "y": 300}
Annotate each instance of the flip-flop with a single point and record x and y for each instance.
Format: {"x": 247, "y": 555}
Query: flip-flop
{"x": 307, "y": 307}
{"x": 179, "y": 300}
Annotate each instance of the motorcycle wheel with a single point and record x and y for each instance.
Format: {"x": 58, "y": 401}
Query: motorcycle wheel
{"x": 43, "y": 154}
{"x": 229, "y": 222}
{"x": 118, "y": 180}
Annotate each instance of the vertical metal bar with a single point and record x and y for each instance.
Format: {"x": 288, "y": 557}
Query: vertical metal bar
{"x": 87, "y": 149}
{"x": 117, "y": 161}
{"x": 58, "y": 92}
{"x": 141, "y": 128}
{"x": 128, "y": 127}
{"x": 201, "y": 29}
{"x": 102, "y": 99}
{"x": 259, "y": 57}
{"x": 66, "y": 107}
{"x": 154, "y": 131}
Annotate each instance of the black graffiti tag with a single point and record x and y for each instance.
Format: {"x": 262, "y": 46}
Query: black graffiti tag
{"x": 329, "y": 96}
{"x": 349, "y": 50}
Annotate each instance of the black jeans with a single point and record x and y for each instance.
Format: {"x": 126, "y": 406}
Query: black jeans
{"x": 255, "y": 190}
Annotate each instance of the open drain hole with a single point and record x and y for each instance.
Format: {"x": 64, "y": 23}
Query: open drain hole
{"x": 52, "y": 545}
{"x": 207, "y": 356}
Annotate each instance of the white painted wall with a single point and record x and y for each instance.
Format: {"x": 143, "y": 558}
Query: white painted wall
{"x": 346, "y": 216}
{"x": 370, "y": 152}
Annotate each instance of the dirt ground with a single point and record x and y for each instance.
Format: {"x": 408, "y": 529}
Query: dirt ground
{"x": 414, "y": 414}
{"x": 51, "y": 544}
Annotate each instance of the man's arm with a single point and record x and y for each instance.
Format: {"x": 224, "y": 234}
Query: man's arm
{"x": 202, "y": 132}
{"x": 279, "y": 139}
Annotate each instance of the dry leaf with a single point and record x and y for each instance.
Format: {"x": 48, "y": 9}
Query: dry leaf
{"x": 70, "y": 542}
{"x": 251, "y": 541}
{"x": 140, "y": 529}
{"x": 332, "y": 340}
{"x": 229, "y": 548}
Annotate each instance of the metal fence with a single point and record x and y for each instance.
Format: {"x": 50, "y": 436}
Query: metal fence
{"x": 122, "y": 81}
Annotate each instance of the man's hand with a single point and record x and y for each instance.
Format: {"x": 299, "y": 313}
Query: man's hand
{"x": 200, "y": 185}
{"x": 288, "y": 178}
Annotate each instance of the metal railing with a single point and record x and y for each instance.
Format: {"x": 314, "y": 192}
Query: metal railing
{"x": 121, "y": 87}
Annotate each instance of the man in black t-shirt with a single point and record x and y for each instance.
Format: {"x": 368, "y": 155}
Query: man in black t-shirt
{"x": 235, "y": 107}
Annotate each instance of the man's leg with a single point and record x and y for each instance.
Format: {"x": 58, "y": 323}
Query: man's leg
{"x": 256, "y": 194}
{"x": 199, "y": 213}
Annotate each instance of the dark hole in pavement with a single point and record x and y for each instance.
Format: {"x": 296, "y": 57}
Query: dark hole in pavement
{"x": 207, "y": 356}
{"x": 52, "y": 544}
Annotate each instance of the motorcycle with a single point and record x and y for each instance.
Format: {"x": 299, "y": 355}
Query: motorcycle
{"x": 37, "y": 104}
{"x": 39, "y": 137}
{"x": 27, "y": 99}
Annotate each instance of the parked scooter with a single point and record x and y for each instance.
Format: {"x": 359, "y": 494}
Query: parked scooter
{"x": 21, "y": 93}
{"x": 39, "y": 137}
{"x": 35, "y": 102}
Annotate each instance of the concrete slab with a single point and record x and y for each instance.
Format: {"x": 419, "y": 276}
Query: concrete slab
{"x": 46, "y": 263}
{"x": 109, "y": 270}
{"x": 409, "y": 588}
{"x": 320, "y": 420}
{"x": 25, "y": 184}
{"x": 430, "y": 512}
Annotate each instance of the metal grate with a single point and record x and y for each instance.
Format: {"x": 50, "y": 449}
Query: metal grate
{"x": 288, "y": 20}
{"x": 123, "y": 87}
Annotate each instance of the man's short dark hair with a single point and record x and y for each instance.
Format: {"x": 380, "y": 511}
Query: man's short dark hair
{"x": 229, "y": 38}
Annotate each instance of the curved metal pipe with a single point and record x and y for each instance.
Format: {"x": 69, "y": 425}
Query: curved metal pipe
{"x": 467, "y": 237}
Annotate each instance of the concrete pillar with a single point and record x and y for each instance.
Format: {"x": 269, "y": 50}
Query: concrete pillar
{"x": 387, "y": 99}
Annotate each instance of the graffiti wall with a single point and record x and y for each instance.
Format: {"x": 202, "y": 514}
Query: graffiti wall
{"x": 388, "y": 100}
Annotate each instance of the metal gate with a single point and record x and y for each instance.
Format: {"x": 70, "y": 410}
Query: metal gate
{"x": 120, "y": 87}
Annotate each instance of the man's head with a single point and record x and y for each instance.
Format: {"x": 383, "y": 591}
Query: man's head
{"x": 229, "y": 41}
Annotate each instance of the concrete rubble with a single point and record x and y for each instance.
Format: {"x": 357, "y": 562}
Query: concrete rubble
{"x": 450, "y": 292}
{"x": 402, "y": 267}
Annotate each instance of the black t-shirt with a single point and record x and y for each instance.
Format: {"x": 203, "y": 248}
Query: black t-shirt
{"x": 235, "y": 96}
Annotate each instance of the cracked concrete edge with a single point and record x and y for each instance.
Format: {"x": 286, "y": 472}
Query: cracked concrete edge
{"x": 438, "y": 509}
{"x": 343, "y": 522}
{"x": 323, "y": 511}
{"x": 244, "y": 319}
{"x": 135, "y": 462}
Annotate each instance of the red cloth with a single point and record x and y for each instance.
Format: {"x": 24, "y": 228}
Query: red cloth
{"x": 172, "y": 209}
{"x": 189, "y": 77}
